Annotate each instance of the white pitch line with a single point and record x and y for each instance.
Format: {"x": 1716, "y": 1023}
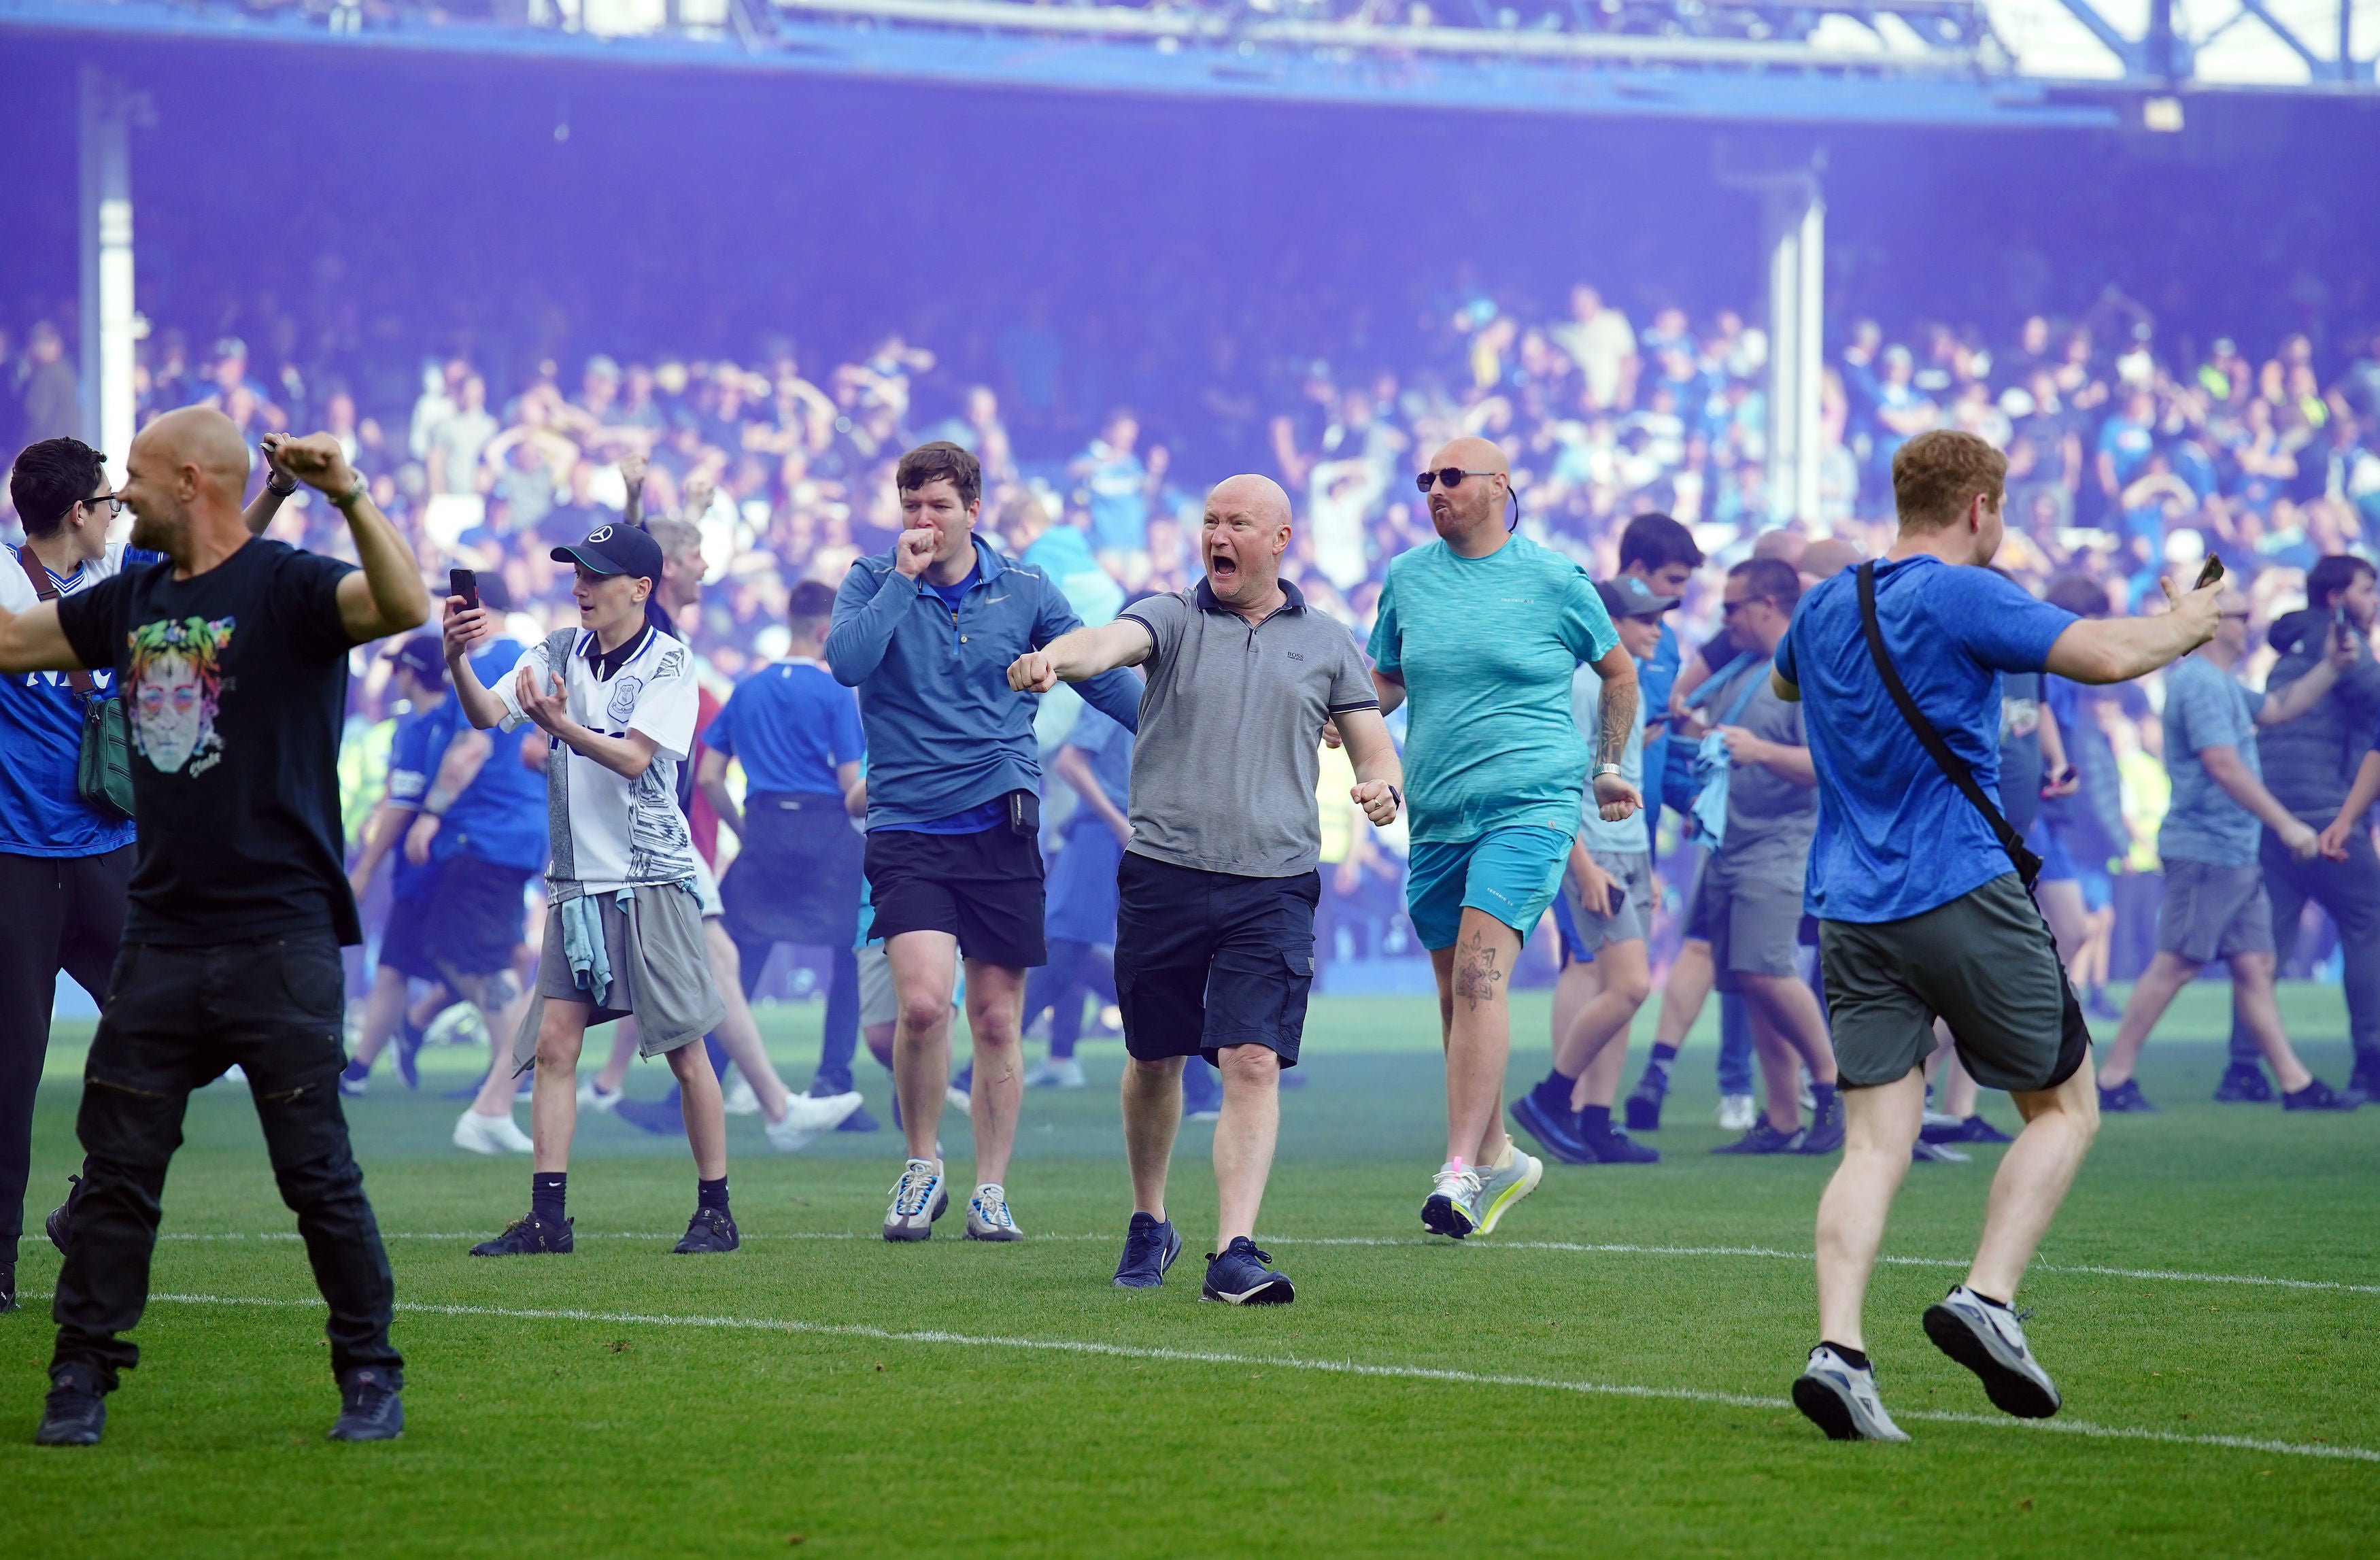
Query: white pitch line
{"x": 1594, "y": 1248}
{"x": 1327, "y": 1367}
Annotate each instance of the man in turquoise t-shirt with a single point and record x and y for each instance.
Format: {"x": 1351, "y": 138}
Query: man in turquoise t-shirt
{"x": 1482, "y": 630}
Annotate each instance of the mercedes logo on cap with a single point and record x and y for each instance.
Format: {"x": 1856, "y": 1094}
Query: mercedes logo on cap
{"x": 599, "y": 535}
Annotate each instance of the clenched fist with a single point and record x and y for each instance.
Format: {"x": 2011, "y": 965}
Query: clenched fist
{"x": 1033, "y": 672}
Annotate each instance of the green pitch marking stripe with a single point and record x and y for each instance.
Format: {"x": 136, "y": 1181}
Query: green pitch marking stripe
{"x": 1490, "y": 1244}
{"x": 1277, "y": 1362}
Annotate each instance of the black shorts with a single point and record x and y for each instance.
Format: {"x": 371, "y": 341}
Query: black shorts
{"x": 797, "y": 878}
{"x": 984, "y": 889}
{"x": 477, "y": 927}
{"x": 404, "y": 940}
{"x": 1205, "y": 960}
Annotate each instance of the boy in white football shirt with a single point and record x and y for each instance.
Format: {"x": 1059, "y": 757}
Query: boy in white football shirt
{"x": 625, "y": 932}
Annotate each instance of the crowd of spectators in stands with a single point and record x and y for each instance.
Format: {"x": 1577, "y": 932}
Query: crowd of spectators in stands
{"x": 2132, "y": 454}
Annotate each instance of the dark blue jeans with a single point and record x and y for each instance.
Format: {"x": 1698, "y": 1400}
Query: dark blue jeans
{"x": 1058, "y": 986}
{"x": 176, "y": 1019}
{"x": 840, "y": 1039}
{"x": 2349, "y": 892}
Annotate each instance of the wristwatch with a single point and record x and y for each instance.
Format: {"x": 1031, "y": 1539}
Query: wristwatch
{"x": 273, "y": 487}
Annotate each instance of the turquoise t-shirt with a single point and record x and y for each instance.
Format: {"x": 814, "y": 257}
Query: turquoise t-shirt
{"x": 1485, "y": 648}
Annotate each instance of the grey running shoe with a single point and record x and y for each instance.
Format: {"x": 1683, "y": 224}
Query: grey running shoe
{"x": 987, "y": 1215}
{"x": 1499, "y": 1190}
{"x": 1841, "y": 1400}
{"x": 1922, "y": 1151}
{"x": 918, "y": 1199}
{"x": 1452, "y": 1207}
{"x": 1989, "y": 1340}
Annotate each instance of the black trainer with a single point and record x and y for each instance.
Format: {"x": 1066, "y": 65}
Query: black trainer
{"x": 60, "y": 1219}
{"x": 76, "y": 1411}
{"x": 1149, "y": 1247}
{"x": 1242, "y": 1275}
{"x": 1643, "y": 1105}
{"x": 711, "y": 1229}
{"x": 529, "y": 1237}
{"x": 2320, "y": 1096}
{"x": 2243, "y": 1084}
{"x": 2365, "y": 1079}
{"x": 8, "y": 1288}
{"x": 370, "y": 1408}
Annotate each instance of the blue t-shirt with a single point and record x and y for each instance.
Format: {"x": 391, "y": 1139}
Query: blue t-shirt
{"x": 1894, "y": 837}
{"x": 953, "y": 594}
{"x": 2205, "y": 707}
{"x": 791, "y": 723}
{"x": 1108, "y": 747}
{"x": 413, "y": 757}
{"x": 500, "y": 818}
{"x": 40, "y": 732}
{"x": 1119, "y": 502}
{"x": 1485, "y": 648}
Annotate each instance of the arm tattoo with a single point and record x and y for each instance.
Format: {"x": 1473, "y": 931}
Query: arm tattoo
{"x": 1617, "y": 712}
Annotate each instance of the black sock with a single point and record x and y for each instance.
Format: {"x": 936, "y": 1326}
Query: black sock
{"x": 1556, "y": 1089}
{"x": 1663, "y": 1055}
{"x": 545, "y": 1194}
{"x": 1985, "y": 1298}
{"x": 711, "y": 1194}
{"x": 1855, "y": 1358}
{"x": 1594, "y": 1121}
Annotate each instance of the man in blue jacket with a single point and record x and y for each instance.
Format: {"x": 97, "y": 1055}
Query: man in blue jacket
{"x": 926, "y": 634}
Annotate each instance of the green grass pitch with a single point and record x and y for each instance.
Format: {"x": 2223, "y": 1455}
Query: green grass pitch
{"x": 1606, "y": 1374}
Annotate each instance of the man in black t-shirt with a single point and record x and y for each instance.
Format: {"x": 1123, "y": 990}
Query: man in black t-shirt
{"x": 232, "y": 655}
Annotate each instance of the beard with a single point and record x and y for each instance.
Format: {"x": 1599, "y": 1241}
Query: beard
{"x": 159, "y": 533}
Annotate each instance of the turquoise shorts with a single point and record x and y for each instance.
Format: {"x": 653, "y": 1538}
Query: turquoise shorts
{"x": 1511, "y": 874}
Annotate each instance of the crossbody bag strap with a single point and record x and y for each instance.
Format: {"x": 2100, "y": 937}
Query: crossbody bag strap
{"x": 2028, "y": 865}
{"x": 79, "y": 679}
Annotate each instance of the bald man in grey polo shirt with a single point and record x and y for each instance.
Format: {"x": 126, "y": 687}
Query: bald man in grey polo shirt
{"x": 1215, "y": 937}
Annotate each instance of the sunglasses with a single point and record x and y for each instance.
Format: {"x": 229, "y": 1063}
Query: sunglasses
{"x": 1449, "y": 477}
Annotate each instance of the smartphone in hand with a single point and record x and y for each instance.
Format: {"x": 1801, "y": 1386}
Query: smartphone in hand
{"x": 464, "y": 583}
{"x": 2209, "y": 572}
{"x": 1619, "y": 897}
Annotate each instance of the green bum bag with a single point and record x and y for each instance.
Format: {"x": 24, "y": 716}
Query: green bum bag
{"x": 103, "y": 765}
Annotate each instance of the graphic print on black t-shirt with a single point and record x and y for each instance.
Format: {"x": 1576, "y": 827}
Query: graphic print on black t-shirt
{"x": 235, "y": 681}
{"x": 176, "y": 670}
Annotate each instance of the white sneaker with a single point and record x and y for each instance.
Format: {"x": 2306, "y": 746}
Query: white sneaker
{"x": 919, "y": 1197}
{"x": 1452, "y": 1207}
{"x": 987, "y": 1215}
{"x": 740, "y": 1100}
{"x": 1737, "y": 1112}
{"x": 1058, "y": 1072}
{"x": 1841, "y": 1400}
{"x": 1989, "y": 1340}
{"x": 958, "y": 1099}
{"x": 490, "y": 1134}
{"x": 457, "y": 1024}
{"x": 806, "y": 1116}
{"x": 1500, "y": 1189}
{"x": 594, "y": 1096}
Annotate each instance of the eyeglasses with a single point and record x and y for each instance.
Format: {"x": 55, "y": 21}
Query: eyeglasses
{"x": 115, "y": 504}
{"x": 1450, "y": 476}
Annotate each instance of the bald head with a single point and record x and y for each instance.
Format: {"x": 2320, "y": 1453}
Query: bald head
{"x": 185, "y": 475}
{"x": 1241, "y": 541}
{"x": 1828, "y": 557}
{"x": 1470, "y": 513}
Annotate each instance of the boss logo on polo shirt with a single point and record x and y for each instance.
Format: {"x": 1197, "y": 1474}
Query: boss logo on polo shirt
{"x": 1294, "y": 656}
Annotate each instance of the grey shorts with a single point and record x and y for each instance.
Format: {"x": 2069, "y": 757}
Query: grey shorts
{"x": 2213, "y": 912}
{"x": 1984, "y": 963}
{"x": 1632, "y": 871}
{"x": 1754, "y": 928}
{"x": 660, "y": 971}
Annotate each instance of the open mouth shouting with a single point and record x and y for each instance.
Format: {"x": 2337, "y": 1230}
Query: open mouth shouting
{"x": 1222, "y": 564}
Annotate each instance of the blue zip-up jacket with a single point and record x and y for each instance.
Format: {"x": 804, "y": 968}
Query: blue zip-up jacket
{"x": 945, "y": 731}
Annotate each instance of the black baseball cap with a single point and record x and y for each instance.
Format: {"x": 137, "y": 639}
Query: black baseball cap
{"x": 1625, "y": 596}
{"x": 615, "y": 549}
{"x": 424, "y": 655}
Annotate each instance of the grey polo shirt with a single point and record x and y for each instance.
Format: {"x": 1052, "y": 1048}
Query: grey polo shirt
{"x": 1230, "y": 731}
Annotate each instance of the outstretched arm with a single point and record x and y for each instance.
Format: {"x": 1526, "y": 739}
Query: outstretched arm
{"x": 31, "y": 641}
{"x": 2114, "y": 649}
{"x": 1080, "y": 655}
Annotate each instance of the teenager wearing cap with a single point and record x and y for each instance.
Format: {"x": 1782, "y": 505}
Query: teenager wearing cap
{"x": 625, "y": 932}
{"x": 1609, "y": 893}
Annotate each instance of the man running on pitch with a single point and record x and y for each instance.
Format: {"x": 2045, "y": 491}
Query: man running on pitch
{"x": 1921, "y": 917}
{"x": 1215, "y": 933}
{"x": 1482, "y": 629}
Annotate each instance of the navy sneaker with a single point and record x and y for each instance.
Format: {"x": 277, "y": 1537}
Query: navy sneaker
{"x": 408, "y": 1055}
{"x": 2320, "y": 1096}
{"x": 2365, "y": 1079}
{"x": 1972, "y": 1129}
{"x": 1612, "y": 1146}
{"x": 370, "y": 1408}
{"x": 1765, "y": 1139}
{"x": 2243, "y": 1084}
{"x": 1149, "y": 1248}
{"x": 1825, "y": 1133}
{"x": 1202, "y": 1091}
{"x": 61, "y": 1220}
{"x": 75, "y": 1412}
{"x": 8, "y": 1288}
{"x": 711, "y": 1229}
{"x": 1556, "y": 1130}
{"x": 354, "y": 1084}
{"x": 1644, "y": 1099}
{"x": 860, "y": 1121}
{"x": 2125, "y": 1099}
{"x": 1240, "y": 1276}
{"x": 664, "y": 1118}
{"x": 529, "y": 1237}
